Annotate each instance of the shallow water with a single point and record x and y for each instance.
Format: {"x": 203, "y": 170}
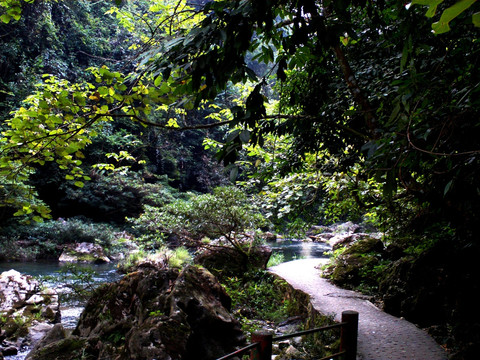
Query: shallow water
{"x": 104, "y": 272}
{"x": 295, "y": 249}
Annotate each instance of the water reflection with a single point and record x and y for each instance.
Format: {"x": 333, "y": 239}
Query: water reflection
{"x": 294, "y": 249}
{"x": 103, "y": 272}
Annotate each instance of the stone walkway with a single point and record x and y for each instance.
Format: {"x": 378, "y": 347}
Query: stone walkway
{"x": 380, "y": 336}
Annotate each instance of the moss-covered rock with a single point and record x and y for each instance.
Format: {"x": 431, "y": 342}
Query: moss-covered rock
{"x": 72, "y": 347}
{"x": 154, "y": 313}
{"x": 84, "y": 252}
{"x": 350, "y": 267}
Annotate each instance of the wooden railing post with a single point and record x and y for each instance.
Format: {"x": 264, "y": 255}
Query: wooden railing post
{"x": 349, "y": 334}
{"x": 264, "y": 350}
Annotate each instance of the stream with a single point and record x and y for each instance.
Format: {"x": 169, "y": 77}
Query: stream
{"x": 70, "y": 310}
{"x": 295, "y": 249}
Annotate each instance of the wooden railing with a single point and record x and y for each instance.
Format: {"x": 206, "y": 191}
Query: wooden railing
{"x": 261, "y": 346}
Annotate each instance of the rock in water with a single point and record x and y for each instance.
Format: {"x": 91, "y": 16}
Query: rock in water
{"x": 84, "y": 253}
{"x": 153, "y": 313}
{"x": 27, "y": 311}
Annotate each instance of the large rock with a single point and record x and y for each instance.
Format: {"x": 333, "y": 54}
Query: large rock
{"x": 152, "y": 313}
{"x": 341, "y": 234}
{"x": 27, "y": 310}
{"x": 84, "y": 253}
{"x": 346, "y": 269}
{"x": 15, "y": 289}
{"x": 226, "y": 261}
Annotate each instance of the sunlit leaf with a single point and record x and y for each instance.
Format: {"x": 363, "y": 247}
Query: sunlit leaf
{"x": 432, "y": 6}
{"x": 442, "y": 25}
{"x": 476, "y": 19}
{"x": 5, "y": 18}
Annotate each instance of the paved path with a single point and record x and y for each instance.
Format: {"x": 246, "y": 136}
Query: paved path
{"x": 380, "y": 336}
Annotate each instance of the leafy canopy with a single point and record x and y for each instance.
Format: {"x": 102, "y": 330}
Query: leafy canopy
{"x": 363, "y": 82}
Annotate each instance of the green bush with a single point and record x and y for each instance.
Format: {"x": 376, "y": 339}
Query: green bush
{"x": 42, "y": 240}
{"x": 12, "y": 250}
{"x": 64, "y": 231}
{"x": 131, "y": 260}
{"x": 177, "y": 258}
{"x": 257, "y": 294}
{"x": 226, "y": 212}
{"x": 113, "y": 197}
{"x": 275, "y": 259}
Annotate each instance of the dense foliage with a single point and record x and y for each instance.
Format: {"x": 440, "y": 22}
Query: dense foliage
{"x": 320, "y": 110}
{"x": 402, "y": 113}
{"x": 64, "y": 134}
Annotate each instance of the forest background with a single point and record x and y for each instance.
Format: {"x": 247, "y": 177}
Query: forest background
{"x": 123, "y": 117}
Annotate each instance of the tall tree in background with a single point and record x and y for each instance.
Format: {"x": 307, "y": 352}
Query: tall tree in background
{"x": 69, "y": 108}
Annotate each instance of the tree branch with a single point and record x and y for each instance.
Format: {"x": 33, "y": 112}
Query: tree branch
{"x": 355, "y": 90}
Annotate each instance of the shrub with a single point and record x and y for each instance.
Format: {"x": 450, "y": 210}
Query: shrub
{"x": 275, "y": 259}
{"x": 64, "y": 231}
{"x": 177, "y": 258}
{"x": 111, "y": 197}
{"x": 131, "y": 260}
{"x": 42, "y": 240}
{"x": 226, "y": 212}
{"x": 257, "y": 294}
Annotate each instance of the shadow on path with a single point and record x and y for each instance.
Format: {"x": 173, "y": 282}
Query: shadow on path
{"x": 380, "y": 336}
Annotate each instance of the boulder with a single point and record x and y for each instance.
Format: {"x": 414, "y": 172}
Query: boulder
{"x": 27, "y": 311}
{"x": 348, "y": 239}
{"x": 346, "y": 269}
{"x": 341, "y": 234}
{"x": 56, "y": 333}
{"x": 15, "y": 289}
{"x": 84, "y": 253}
{"x": 152, "y": 313}
{"x": 226, "y": 261}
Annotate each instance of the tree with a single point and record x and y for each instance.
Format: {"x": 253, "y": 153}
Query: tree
{"x": 366, "y": 83}
{"x": 59, "y": 120}
{"x": 366, "y": 77}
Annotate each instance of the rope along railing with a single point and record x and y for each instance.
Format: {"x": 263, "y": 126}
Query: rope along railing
{"x": 261, "y": 346}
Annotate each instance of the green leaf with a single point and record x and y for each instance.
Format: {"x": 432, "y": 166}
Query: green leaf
{"x": 172, "y": 123}
{"x": 5, "y": 18}
{"x": 476, "y": 19}
{"x": 442, "y": 25}
{"x": 447, "y": 187}
{"x": 233, "y": 173}
{"x": 432, "y": 6}
{"x": 16, "y": 16}
{"x": 244, "y": 136}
